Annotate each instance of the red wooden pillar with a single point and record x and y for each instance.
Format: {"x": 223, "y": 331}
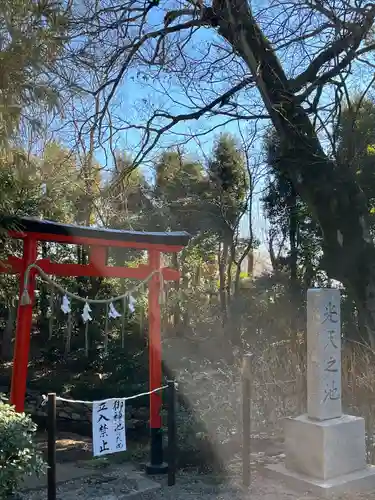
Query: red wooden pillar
{"x": 156, "y": 465}
{"x": 23, "y": 330}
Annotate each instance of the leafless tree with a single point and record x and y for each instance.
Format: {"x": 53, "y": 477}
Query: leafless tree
{"x": 198, "y": 66}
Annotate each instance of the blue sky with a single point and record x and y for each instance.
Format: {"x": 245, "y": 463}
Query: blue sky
{"x": 199, "y": 151}
{"x": 136, "y": 95}
{"x": 133, "y": 96}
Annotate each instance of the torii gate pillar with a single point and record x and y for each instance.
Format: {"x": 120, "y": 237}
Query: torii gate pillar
{"x": 156, "y": 465}
{"x": 31, "y": 231}
{"x": 23, "y": 329}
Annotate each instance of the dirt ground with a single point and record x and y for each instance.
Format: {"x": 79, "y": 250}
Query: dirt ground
{"x": 113, "y": 484}
{"x": 69, "y": 447}
{"x": 110, "y": 481}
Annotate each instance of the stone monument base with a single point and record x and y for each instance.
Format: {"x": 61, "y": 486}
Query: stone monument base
{"x": 325, "y": 449}
{"x": 355, "y": 482}
{"x": 326, "y": 456}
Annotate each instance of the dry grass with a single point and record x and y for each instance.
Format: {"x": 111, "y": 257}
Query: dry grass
{"x": 213, "y": 389}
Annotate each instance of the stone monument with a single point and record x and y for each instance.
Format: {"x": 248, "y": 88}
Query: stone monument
{"x": 324, "y": 449}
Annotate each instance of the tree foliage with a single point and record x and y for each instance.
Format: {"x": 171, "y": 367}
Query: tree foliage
{"x": 228, "y": 184}
{"x": 31, "y": 36}
{"x": 294, "y": 238}
{"x": 19, "y": 454}
{"x": 238, "y": 61}
{"x": 355, "y": 137}
{"x": 196, "y": 68}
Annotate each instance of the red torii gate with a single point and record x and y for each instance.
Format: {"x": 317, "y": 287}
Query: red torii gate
{"x": 31, "y": 231}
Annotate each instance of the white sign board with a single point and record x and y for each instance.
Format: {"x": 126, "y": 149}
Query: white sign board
{"x": 323, "y": 354}
{"x": 108, "y": 426}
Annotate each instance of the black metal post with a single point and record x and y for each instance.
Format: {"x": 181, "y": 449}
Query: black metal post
{"x": 172, "y": 438}
{"x": 246, "y": 421}
{"x": 51, "y": 447}
{"x": 157, "y": 464}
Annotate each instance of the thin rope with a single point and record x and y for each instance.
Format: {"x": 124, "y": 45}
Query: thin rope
{"x": 79, "y": 401}
{"x": 62, "y": 290}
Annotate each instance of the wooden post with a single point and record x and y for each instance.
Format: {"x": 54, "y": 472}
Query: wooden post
{"x": 51, "y": 446}
{"x": 23, "y": 329}
{"x": 172, "y": 438}
{"x": 246, "y": 419}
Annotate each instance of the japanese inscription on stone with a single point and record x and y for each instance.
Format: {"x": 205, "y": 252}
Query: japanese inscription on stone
{"x": 108, "y": 426}
{"x": 324, "y": 354}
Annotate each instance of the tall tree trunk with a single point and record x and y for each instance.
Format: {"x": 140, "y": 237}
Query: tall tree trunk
{"x": 294, "y": 285}
{"x": 222, "y": 258}
{"x": 232, "y": 256}
{"x": 293, "y": 240}
{"x": 250, "y": 263}
{"x": 362, "y": 330}
{"x": 330, "y": 190}
{"x": 271, "y": 253}
{"x": 249, "y": 256}
{"x": 237, "y": 279}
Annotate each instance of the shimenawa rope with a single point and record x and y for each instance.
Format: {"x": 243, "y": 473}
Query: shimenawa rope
{"x": 25, "y": 298}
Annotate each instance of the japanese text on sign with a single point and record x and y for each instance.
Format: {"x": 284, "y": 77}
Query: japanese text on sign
{"x": 331, "y": 362}
{"x": 108, "y": 426}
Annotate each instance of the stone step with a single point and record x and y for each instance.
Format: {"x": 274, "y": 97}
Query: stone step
{"x": 64, "y": 472}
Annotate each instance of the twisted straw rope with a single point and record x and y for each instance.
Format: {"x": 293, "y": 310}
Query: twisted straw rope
{"x": 25, "y": 299}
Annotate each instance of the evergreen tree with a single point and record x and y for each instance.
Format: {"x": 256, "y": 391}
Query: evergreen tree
{"x": 179, "y": 186}
{"x": 228, "y": 183}
{"x": 292, "y": 227}
{"x": 226, "y": 198}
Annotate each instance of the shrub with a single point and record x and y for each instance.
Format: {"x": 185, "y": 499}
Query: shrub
{"x": 18, "y": 453}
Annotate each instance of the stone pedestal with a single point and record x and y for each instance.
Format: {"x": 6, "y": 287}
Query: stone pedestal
{"x": 325, "y": 450}
{"x": 325, "y": 457}
{"x": 355, "y": 482}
